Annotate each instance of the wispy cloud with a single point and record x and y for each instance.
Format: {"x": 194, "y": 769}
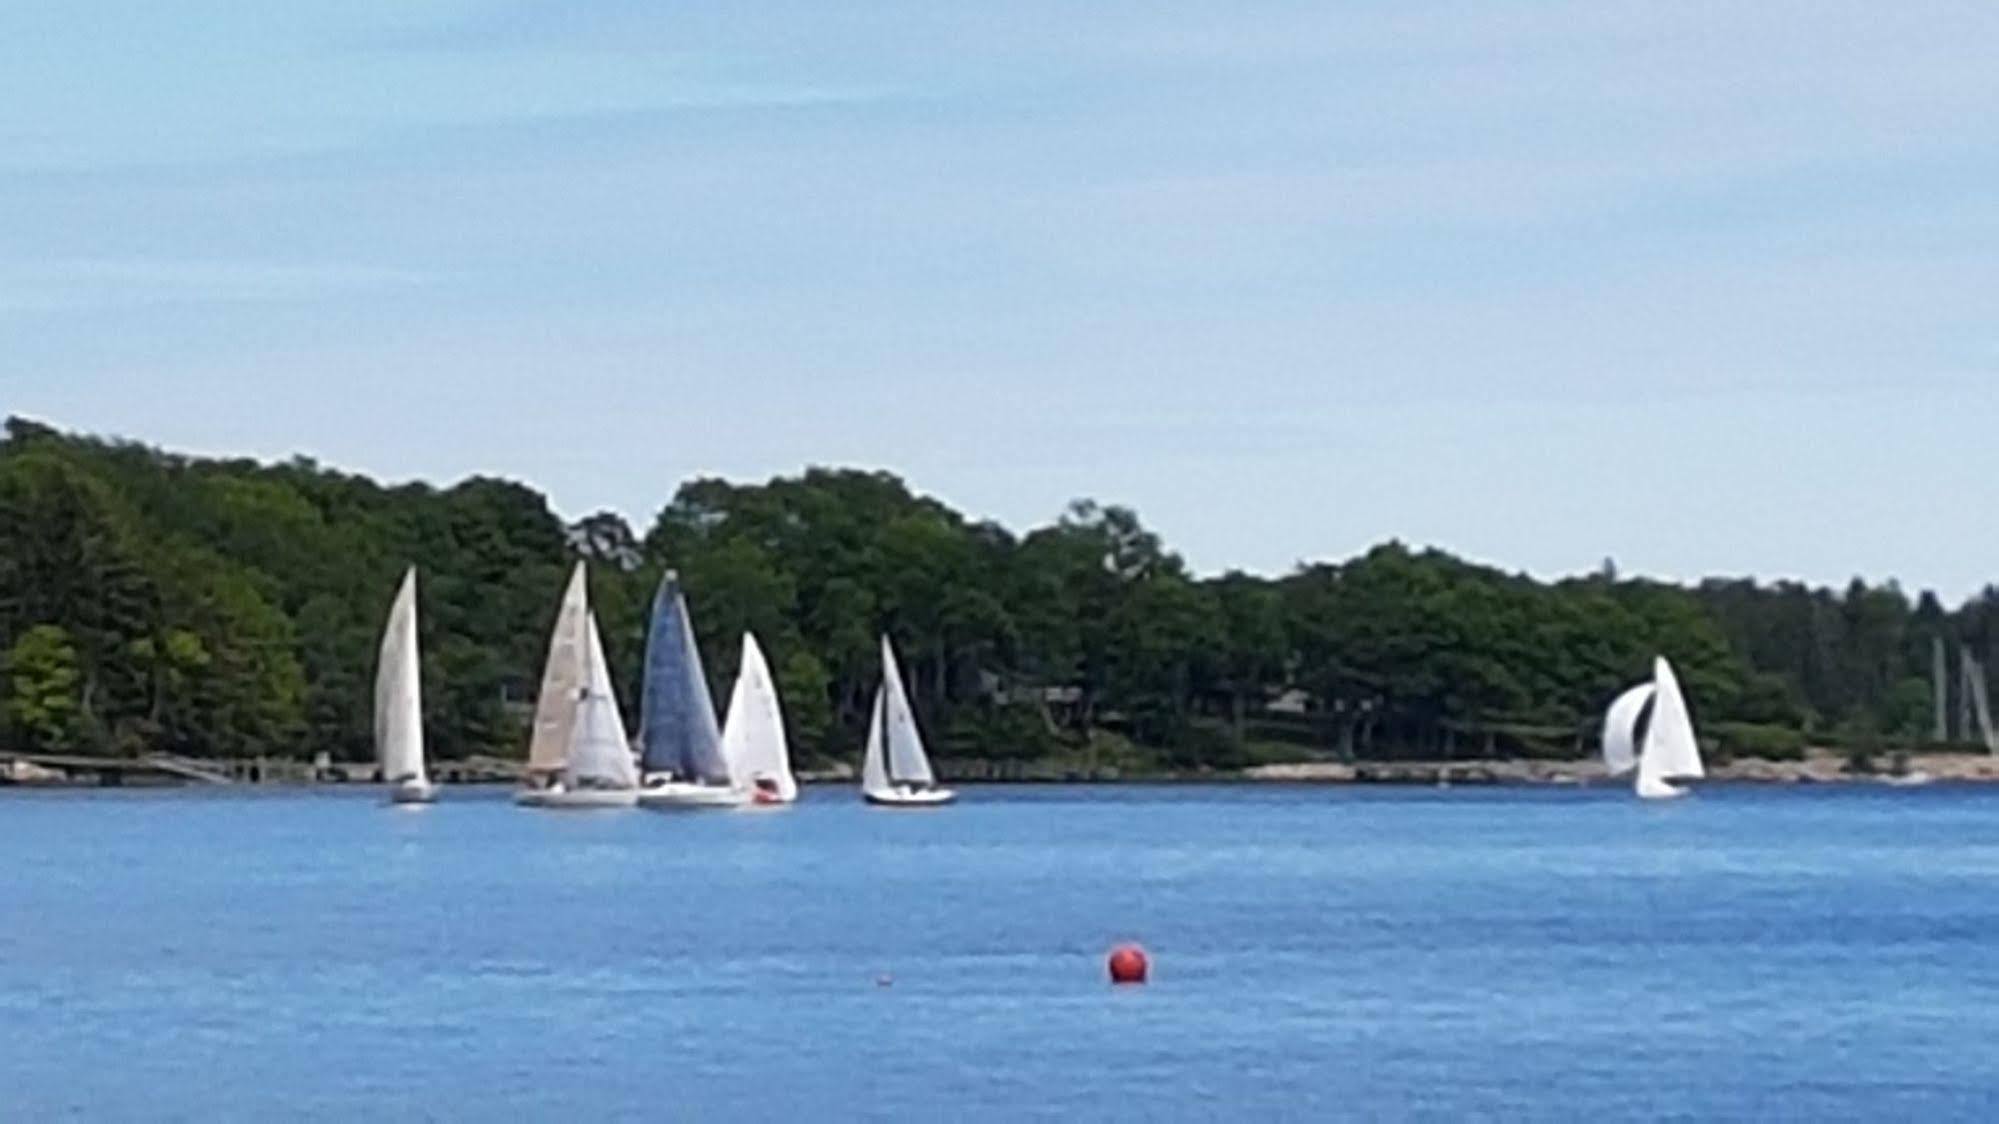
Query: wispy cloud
{"x": 84, "y": 283}
{"x": 1437, "y": 261}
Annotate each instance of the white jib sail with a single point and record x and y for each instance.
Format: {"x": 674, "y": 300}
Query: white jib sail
{"x": 1620, "y": 729}
{"x": 874, "y": 766}
{"x": 399, "y": 693}
{"x": 1670, "y": 752}
{"x": 562, "y": 678}
{"x": 903, "y": 743}
{"x": 599, "y": 752}
{"x": 753, "y": 736}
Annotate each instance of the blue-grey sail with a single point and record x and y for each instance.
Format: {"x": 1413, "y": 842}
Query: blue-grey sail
{"x": 677, "y": 729}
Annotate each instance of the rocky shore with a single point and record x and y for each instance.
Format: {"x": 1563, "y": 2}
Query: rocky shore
{"x": 1818, "y": 766}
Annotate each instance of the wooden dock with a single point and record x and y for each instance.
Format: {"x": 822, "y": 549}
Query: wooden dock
{"x": 152, "y": 768}
{"x": 188, "y": 769}
{"x": 167, "y": 768}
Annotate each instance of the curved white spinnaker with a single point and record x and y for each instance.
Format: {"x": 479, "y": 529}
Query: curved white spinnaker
{"x": 1620, "y": 729}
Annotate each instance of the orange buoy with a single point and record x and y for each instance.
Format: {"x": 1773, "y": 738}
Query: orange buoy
{"x": 1128, "y": 964}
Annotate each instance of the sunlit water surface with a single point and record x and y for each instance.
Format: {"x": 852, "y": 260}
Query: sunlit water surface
{"x": 254, "y": 955}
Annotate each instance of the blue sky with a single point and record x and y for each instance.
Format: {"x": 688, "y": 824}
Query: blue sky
{"x": 1707, "y": 287}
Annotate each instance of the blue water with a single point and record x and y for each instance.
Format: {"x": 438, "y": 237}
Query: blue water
{"x": 1786, "y": 953}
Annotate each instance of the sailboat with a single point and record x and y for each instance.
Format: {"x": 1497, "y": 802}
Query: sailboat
{"x": 561, "y": 679}
{"x": 753, "y": 737}
{"x": 680, "y": 747}
{"x": 399, "y": 704}
{"x": 896, "y": 772}
{"x": 1668, "y": 756}
{"x": 578, "y": 756}
{"x": 597, "y": 770}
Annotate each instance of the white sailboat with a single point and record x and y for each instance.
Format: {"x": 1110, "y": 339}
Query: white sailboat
{"x": 578, "y": 757}
{"x": 597, "y": 770}
{"x": 896, "y": 772}
{"x": 399, "y": 703}
{"x": 561, "y": 678}
{"x": 1668, "y": 756}
{"x": 753, "y": 737}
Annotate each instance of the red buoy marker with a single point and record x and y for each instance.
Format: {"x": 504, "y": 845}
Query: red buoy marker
{"x": 1128, "y": 964}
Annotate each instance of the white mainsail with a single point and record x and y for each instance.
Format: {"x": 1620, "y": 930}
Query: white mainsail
{"x": 399, "y": 693}
{"x": 1620, "y": 729}
{"x": 1670, "y": 739}
{"x": 901, "y": 741}
{"x": 1670, "y": 754}
{"x": 600, "y": 755}
{"x": 753, "y": 736}
{"x": 562, "y": 678}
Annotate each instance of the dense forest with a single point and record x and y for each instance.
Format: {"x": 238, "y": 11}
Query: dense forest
{"x": 152, "y": 602}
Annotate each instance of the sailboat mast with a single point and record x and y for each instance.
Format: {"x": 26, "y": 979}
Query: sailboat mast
{"x": 888, "y": 751}
{"x": 1940, "y": 685}
{"x": 1964, "y": 701}
{"x": 1981, "y": 706}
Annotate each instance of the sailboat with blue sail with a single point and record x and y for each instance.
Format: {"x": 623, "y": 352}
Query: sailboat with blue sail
{"x": 681, "y": 758}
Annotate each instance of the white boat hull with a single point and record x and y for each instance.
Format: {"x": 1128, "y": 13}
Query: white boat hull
{"x": 914, "y": 798}
{"x": 678, "y": 795}
{"x": 412, "y": 792}
{"x": 580, "y": 798}
{"x": 1650, "y": 788}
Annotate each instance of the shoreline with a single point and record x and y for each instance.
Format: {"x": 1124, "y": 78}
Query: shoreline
{"x": 1815, "y": 767}
{"x": 1819, "y": 766}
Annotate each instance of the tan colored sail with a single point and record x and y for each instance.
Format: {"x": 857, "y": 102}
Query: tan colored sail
{"x": 561, "y": 679}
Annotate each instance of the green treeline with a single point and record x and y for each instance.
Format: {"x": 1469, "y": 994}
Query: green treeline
{"x": 151, "y": 602}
